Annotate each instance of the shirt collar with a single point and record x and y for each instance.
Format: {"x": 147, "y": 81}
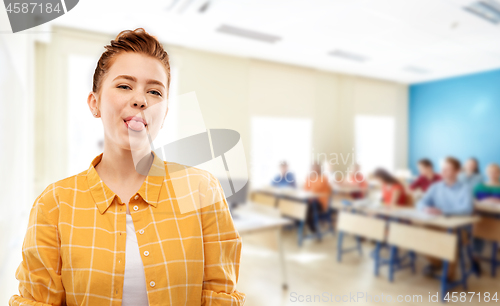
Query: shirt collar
{"x": 455, "y": 185}
{"x": 149, "y": 191}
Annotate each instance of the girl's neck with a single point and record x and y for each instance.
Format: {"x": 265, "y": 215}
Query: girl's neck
{"x": 493, "y": 183}
{"x": 429, "y": 176}
{"x": 125, "y": 165}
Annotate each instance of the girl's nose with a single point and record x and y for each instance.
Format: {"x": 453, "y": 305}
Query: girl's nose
{"x": 140, "y": 102}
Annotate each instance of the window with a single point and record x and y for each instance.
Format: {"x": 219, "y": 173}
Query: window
{"x": 275, "y": 139}
{"x": 374, "y": 142}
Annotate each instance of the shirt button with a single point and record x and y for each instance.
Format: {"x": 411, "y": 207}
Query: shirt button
{"x": 141, "y": 232}
{"x": 152, "y": 284}
{"x": 136, "y": 207}
{"x": 136, "y": 197}
{"x": 146, "y": 253}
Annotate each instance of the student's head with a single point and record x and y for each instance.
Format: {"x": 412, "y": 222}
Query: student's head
{"x": 425, "y": 167}
{"x": 450, "y": 169}
{"x": 471, "y": 166}
{"x": 493, "y": 172}
{"x": 283, "y": 167}
{"x": 132, "y": 78}
{"x": 384, "y": 176}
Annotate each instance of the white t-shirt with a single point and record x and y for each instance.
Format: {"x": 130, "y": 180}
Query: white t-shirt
{"x": 134, "y": 285}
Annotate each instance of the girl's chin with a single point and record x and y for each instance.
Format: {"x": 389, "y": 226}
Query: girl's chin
{"x": 135, "y": 143}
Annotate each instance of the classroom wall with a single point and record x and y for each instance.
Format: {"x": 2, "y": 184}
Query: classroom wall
{"x": 457, "y": 116}
{"x": 231, "y": 90}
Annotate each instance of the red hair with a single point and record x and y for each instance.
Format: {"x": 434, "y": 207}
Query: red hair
{"x": 138, "y": 41}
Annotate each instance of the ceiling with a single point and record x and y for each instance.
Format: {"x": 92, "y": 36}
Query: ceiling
{"x": 407, "y": 41}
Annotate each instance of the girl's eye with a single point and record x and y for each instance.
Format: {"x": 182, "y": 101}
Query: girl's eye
{"x": 155, "y": 92}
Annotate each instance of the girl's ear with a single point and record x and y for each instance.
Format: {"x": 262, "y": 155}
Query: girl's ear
{"x": 92, "y": 102}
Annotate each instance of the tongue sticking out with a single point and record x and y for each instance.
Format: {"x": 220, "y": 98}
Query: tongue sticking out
{"x": 135, "y": 125}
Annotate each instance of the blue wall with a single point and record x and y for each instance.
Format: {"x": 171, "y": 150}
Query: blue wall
{"x": 459, "y": 116}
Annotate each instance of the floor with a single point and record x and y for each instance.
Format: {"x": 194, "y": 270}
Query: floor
{"x": 314, "y": 270}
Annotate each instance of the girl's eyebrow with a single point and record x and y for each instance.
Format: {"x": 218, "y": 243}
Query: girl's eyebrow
{"x": 131, "y": 78}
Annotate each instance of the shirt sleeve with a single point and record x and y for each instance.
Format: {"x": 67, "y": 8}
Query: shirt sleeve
{"x": 478, "y": 179}
{"x": 222, "y": 249}
{"x": 39, "y": 273}
{"x": 427, "y": 199}
{"x": 274, "y": 181}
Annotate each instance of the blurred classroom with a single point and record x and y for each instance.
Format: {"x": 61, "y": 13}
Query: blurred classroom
{"x": 369, "y": 130}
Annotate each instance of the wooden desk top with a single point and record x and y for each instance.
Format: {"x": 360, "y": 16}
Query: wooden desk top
{"x": 487, "y": 207}
{"x": 298, "y": 194}
{"x": 409, "y": 214}
{"x": 253, "y": 218}
{"x": 337, "y": 188}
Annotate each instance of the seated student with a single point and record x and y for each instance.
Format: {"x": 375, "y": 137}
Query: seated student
{"x": 487, "y": 192}
{"x": 393, "y": 192}
{"x": 490, "y": 190}
{"x": 450, "y": 197}
{"x": 427, "y": 176}
{"x": 285, "y": 178}
{"x": 471, "y": 174}
{"x": 318, "y": 183}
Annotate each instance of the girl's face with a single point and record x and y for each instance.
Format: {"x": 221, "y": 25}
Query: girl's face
{"x": 493, "y": 173}
{"x": 135, "y": 85}
{"x": 470, "y": 166}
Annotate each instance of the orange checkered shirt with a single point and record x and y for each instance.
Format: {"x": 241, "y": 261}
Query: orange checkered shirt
{"x": 74, "y": 248}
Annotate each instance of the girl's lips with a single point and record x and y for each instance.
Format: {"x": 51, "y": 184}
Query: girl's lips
{"x": 136, "y": 118}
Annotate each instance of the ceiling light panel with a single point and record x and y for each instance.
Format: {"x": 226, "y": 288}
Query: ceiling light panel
{"x": 488, "y": 10}
{"x": 348, "y": 55}
{"x": 246, "y": 33}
